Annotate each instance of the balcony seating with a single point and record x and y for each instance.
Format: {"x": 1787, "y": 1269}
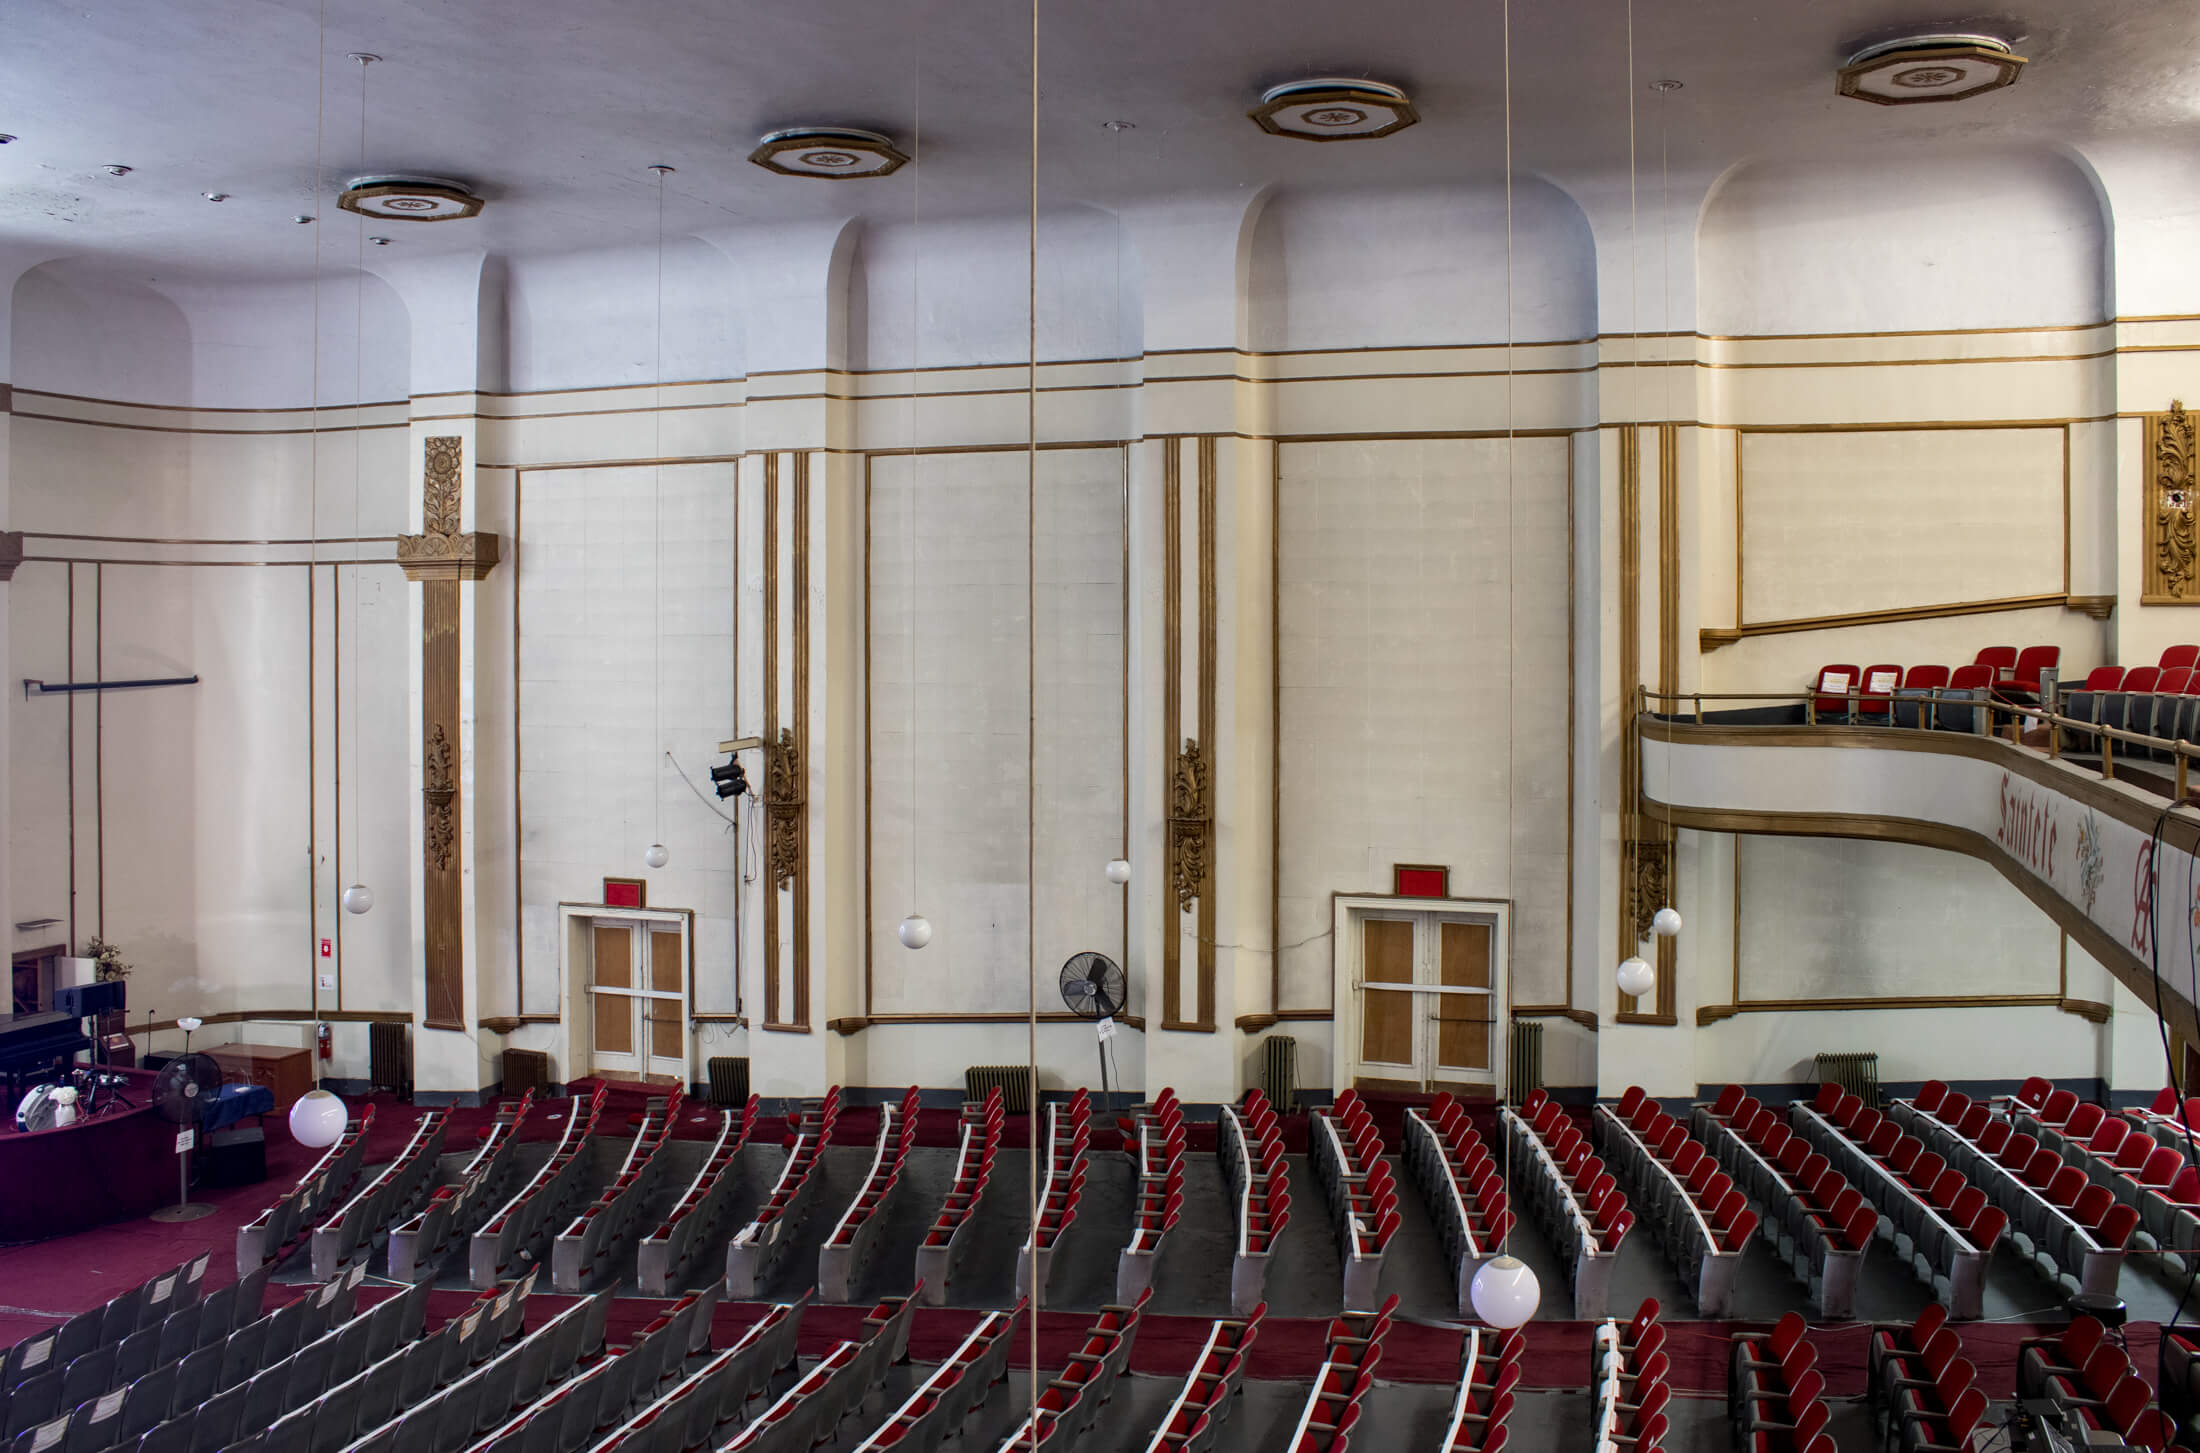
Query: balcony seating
{"x": 756, "y": 1247}
{"x": 1070, "y": 1403}
{"x": 269, "y": 1235}
{"x": 939, "y": 1406}
{"x": 948, "y": 1239}
{"x": 1693, "y": 1209}
{"x": 1944, "y": 1230}
{"x": 417, "y": 1245}
{"x": 1820, "y": 1224}
{"x": 1250, "y": 1146}
{"x": 1835, "y": 693}
{"x": 1346, "y": 1154}
{"x": 1068, "y": 1142}
{"x": 526, "y": 1222}
{"x": 665, "y": 1254}
{"x": 1571, "y": 1196}
{"x": 1462, "y": 1185}
{"x": 1875, "y": 694}
{"x": 1209, "y": 1394}
{"x": 1156, "y": 1140}
{"x": 2073, "y": 1231}
{"x": 2140, "y": 1167}
{"x": 848, "y": 1247}
{"x": 1913, "y": 705}
{"x": 589, "y": 1247}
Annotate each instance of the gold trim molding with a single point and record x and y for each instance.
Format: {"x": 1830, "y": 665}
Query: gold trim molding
{"x": 783, "y": 803}
{"x": 442, "y": 551}
{"x": 1711, "y": 638}
{"x": 1191, "y": 825}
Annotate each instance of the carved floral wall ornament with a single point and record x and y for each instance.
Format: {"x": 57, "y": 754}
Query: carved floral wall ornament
{"x": 442, "y": 550}
{"x": 783, "y": 807}
{"x": 1652, "y": 885}
{"x": 440, "y": 793}
{"x": 1191, "y": 823}
{"x": 2172, "y": 575}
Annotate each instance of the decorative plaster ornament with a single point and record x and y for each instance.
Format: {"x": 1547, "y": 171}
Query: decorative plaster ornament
{"x": 834, "y": 153}
{"x": 1505, "y": 1292}
{"x": 1922, "y": 68}
{"x": 1333, "y": 108}
{"x": 410, "y": 199}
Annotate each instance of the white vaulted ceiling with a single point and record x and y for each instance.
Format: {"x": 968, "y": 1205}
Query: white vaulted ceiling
{"x": 555, "y": 107}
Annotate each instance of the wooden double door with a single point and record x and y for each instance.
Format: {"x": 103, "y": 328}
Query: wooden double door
{"x": 638, "y": 999}
{"x": 1430, "y": 1002}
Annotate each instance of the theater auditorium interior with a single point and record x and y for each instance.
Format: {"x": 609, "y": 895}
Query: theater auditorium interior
{"x": 1121, "y": 728}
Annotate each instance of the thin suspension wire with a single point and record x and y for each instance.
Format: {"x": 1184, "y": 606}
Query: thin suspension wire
{"x": 1511, "y": 665}
{"x": 1634, "y": 280}
{"x": 1665, "y": 325}
{"x": 358, "y": 401}
{"x": 1031, "y": 701}
{"x": 916, "y": 463}
{"x": 657, "y": 535}
{"x": 313, "y": 469}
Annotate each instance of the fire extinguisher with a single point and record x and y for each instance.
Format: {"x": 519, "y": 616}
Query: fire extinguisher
{"x": 321, "y": 1038}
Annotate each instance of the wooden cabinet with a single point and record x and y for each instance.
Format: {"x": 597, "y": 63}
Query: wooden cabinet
{"x": 287, "y": 1072}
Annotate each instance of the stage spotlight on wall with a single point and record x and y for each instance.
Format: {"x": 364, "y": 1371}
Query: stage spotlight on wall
{"x": 729, "y": 780}
{"x": 317, "y": 1119}
{"x": 1667, "y": 923}
{"x": 1505, "y": 1292}
{"x": 915, "y": 931}
{"x": 1119, "y": 871}
{"x": 655, "y": 855}
{"x": 1636, "y": 977}
{"x": 358, "y": 898}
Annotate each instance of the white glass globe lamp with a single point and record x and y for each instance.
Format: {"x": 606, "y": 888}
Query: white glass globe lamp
{"x": 1667, "y": 922}
{"x": 317, "y": 1119}
{"x": 1636, "y": 977}
{"x": 1505, "y": 1292}
{"x": 915, "y": 931}
{"x": 358, "y": 898}
{"x": 655, "y": 855}
{"x": 1119, "y": 871}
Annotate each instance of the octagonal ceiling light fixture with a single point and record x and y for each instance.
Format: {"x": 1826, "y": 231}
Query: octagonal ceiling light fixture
{"x": 410, "y": 199}
{"x": 1922, "y": 68}
{"x": 833, "y": 153}
{"x": 1333, "y": 108}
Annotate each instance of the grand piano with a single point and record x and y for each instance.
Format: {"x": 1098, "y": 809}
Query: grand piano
{"x": 33, "y": 1046}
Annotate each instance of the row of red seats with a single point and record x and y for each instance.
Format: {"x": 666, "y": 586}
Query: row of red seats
{"x": 1475, "y": 1176}
{"x": 1820, "y": 1196}
{"x": 502, "y": 1232}
{"x": 1775, "y": 1392}
{"x": 1926, "y": 1390}
{"x": 2089, "y": 1205}
{"x": 1628, "y": 1367}
{"x": 1925, "y": 1175}
{"x": 898, "y": 1132}
{"x": 1264, "y": 1201}
{"x": 1193, "y": 1420}
{"x": 1072, "y": 1401}
{"x": 981, "y": 1142}
{"x": 603, "y": 1228}
{"x": 722, "y": 1157}
{"x": 1721, "y": 1203}
{"x": 946, "y": 1396}
{"x": 1367, "y": 1191}
{"x": 1489, "y": 1370}
{"x": 1159, "y": 1133}
{"x": 1069, "y": 1138}
{"x": 805, "y": 1141}
{"x": 1593, "y": 1190}
{"x": 2093, "y": 1380}
{"x": 1352, "y": 1349}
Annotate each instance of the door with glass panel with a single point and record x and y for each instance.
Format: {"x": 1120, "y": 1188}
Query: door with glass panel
{"x": 1429, "y": 1002}
{"x": 638, "y": 999}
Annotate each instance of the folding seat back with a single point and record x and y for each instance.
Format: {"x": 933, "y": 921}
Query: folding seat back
{"x": 2058, "y": 1108}
{"x": 1721, "y": 1108}
{"x": 2031, "y": 661}
{"x": 2162, "y": 1166}
{"x": 2017, "y": 1154}
{"x": 1834, "y": 683}
{"x": 1630, "y": 1102}
{"x": 1992, "y": 1137}
{"x": 1927, "y": 1169}
{"x": 1876, "y": 698}
{"x": 2108, "y": 1138}
{"x": 2131, "y": 1156}
{"x": 1904, "y": 1153}
{"x": 2114, "y": 1229}
{"x": 2091, "y": 1204}
{"x": 2064, "y": 1184}
{"x": 1953, "y": 1108}
{"x": 2001, "y": 658}
{"x": 1930, "y": 1095}
{"x": 1828, "y": 1096}
{"x": 1884, "y": 1139}
{"x": 1985, "y": 1229}
{"x": 1976, "y": 1117}
{"x": 2174, "y": 656}
{"x": 2084, "y": 1120}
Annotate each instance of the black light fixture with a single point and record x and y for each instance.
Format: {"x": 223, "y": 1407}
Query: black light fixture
{"x": 729, "y": 780}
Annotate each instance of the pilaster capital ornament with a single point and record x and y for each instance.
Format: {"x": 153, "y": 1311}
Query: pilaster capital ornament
{"x": 441, "y": 551}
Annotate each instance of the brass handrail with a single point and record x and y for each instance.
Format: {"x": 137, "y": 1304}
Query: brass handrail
{"x": 2182, "y": 752}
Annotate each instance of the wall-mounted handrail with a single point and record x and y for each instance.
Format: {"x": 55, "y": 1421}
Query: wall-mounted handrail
{"x": 45, "y": 688}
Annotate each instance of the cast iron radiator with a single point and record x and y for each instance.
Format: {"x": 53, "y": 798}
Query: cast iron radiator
{"x": 1524, "y": 1060}
{"x": 1856, "y": 1073}
{"x": 1013, "y": 1081}
{"x": 389, "y": 1058}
